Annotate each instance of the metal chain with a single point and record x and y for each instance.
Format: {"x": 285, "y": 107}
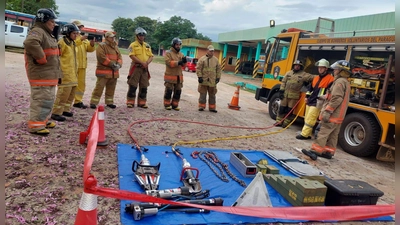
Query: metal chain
{"x": 220, "y": 175}
{"x": 213, "y": 158}
{"x": 225, "y": 166}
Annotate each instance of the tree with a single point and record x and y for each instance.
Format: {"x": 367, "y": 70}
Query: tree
{"x": 123, "y": 27}
{"x": 149, "y": 25}
{"x": 176, "y": 26}
{"x": 200, "y": 36}
{"x": 31, "y": 6}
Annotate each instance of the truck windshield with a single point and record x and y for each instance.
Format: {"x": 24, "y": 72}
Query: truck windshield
{"x": 281, "y": 49}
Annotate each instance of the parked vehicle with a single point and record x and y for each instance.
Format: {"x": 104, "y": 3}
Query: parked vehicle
{"x": 191, "y": 64}
{"x": 369, "y": 125}
{"x": 15, "y": 35}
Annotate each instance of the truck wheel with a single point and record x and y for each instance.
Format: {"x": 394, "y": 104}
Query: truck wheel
{"x": 359, "y": 134}
{"x": 273, "y": 105}
{"x": 187, "y": 69}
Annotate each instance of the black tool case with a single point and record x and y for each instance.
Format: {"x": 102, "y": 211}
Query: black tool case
{"x": 350, "y": 192}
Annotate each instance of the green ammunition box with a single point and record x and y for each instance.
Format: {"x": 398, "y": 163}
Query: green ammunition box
{"x": 261, "y": 168}
{"x": 272, "y": 169}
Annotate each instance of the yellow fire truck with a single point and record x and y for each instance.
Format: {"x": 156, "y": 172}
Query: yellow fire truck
{"x": 369, "y": 126}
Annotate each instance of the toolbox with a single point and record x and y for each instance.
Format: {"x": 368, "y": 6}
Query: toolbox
{"x": 350, "y": 192}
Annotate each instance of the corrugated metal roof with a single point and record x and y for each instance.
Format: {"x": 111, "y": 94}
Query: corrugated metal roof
{"x": 367, "y": 22}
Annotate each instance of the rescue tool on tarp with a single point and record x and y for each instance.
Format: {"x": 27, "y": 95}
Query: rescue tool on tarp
{"x": 181, "y": 192}
{"x": 187, "y": 177}
{"x": 140, "y": 210}
{"x": 147, "y": 176}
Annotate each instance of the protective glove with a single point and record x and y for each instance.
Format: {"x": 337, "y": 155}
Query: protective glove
{"x": 325, "y": 116}
{"x": 59, "y": 80}
{"x": 180, "y": 63}
{"x": 281, "y": 94}
{"x": 200, "y": 79}
{"x": 184, "y": 60}
{"x": 116, "y": 66}
{"x": 217, "y": 80}
{"x": 128, "y": 77}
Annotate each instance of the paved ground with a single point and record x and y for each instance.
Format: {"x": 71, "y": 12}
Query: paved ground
{"x": 44, "y": 174}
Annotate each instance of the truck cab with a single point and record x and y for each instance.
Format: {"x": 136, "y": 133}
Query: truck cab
{"x": 368, "y": 128}
{"x": 15, "y": 35}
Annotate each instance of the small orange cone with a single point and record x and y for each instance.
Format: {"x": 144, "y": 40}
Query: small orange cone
{"x": 235, "y": 100}
{"x": 102, "y": 141}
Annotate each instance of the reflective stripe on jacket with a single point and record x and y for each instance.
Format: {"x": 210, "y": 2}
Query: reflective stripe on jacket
{"x": 107, "y": 54}
{"x": 337, "y": 100}
{"x": 172, "y": 69}
{"x": 42, "y": 56}
{"x": 209, "y": 69}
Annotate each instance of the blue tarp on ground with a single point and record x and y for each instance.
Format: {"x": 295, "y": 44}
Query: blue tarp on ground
{"x": 170, "y": 170}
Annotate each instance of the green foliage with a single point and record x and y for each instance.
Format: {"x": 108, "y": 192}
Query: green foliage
{"x": 174, "y": 27}
{"x": 123, "y": 27}
{"x": 158, "y": 33}
{"x": 31, "y": 6}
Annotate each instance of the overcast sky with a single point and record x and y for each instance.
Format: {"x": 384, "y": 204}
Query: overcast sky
{"x": 212, "y": 17}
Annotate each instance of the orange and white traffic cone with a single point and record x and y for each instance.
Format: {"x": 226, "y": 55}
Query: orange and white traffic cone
{"x": 102, "y": 141}
{"x": 235, "y": 100}
{"x": 87, "y": 211}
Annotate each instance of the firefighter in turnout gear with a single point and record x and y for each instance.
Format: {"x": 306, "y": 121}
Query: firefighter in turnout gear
{"x": 313, "y": 98}
{"x": 333, "y": 111}
{"x": 141, "y": 55}
{"x": 66, "y": 90}
{"x": 173, "y": 76}
{"x": 42, "y": 64}
{"x": 289, "y": 92}
{"x": 83, "y": 46}
{"x": 209, "y": 74}
{"x": 109, "y": 61}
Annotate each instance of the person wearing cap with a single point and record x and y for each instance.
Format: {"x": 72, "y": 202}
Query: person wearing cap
{"x": 109, "y": 61}
{"x": 139, "y": 76}
{"x": 42, "y": 64}
{"x": 83, "y": 46}
{"x": 173, "y": 76}
{"x": 289, "y": 92}
{"x": 333, "y": 111}
{"x": 208, "y": 72}
{"x": 313, "y": 99}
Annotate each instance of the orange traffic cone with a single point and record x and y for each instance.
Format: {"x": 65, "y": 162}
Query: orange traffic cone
{"x": 87, "y": 211}
{"x": 235, "y": 100}
{"x": 102, "y": 141}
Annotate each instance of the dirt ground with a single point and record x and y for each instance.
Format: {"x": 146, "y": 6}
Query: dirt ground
{"x": 44, "y": 174}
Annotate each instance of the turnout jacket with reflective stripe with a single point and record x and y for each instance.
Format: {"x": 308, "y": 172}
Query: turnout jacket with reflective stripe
{"x": 337, "y": 100}
{"x": 172, "y": 69}
{"x": 107, "y": 54}
{"x": 209, "y": 69}
{"x": 42, "y": 56}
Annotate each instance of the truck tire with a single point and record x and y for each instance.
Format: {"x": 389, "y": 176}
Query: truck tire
{"x": 187, "y": 69}
{"x": 359, "y": 134}
{"x": 273, "y": 105}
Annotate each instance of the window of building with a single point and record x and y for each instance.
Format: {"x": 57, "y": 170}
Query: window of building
{"x": 232, "y": 60}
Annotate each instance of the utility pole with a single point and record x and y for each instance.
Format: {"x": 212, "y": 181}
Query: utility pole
{"x": 22, "y": 6}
